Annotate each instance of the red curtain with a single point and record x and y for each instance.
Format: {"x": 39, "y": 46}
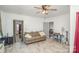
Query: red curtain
{"x": 76, "y": 41}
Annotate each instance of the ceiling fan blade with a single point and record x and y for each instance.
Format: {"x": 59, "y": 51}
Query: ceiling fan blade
{"x": 46, "y": 5}
{"x": 38, "y": 7}
{"x": 38, "y": 12}
{"x": 53, "y": 9}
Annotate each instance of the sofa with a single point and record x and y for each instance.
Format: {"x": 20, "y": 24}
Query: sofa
{"x": 31, "y": 37}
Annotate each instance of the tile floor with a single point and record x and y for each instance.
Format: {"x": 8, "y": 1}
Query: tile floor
{"x": 47, "y": 46}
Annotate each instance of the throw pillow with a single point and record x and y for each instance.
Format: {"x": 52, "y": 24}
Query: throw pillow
{"x": 28, "y": 36}
{"x": 41, "y": 33}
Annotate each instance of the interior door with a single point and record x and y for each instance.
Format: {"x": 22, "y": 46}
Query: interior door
{"x": 46, "y": 28}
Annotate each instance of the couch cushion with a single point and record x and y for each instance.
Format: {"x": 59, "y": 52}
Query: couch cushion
{"x": 33, "y": 38}
{"x": 34, "y": 34}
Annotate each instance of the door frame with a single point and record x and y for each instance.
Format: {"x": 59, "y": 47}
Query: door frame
{"x": 14, "y": 29}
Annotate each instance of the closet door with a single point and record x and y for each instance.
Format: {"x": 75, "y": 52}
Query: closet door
{"x": 46, "y": 28}
{"x": 76, "y": 41}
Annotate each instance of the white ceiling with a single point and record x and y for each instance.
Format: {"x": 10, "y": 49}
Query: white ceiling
{"x": 31, "y": 11}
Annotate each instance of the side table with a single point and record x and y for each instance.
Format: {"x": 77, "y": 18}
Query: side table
{"x": 8, "y": 40}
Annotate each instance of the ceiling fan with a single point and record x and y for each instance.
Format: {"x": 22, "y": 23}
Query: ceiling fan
{"x": 44, "y": 9}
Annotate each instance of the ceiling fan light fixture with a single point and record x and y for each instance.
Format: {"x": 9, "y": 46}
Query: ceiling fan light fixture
{"x": 44, "y": 12}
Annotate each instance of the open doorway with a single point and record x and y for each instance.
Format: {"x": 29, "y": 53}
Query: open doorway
{"x": 18, "y": 30}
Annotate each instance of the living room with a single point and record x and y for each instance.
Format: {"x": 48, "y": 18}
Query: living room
{"x": 33, "y": 21}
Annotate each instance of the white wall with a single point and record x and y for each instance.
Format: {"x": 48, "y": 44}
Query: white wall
{"x": 60, "y": 21}
{"x": 30, "y": 23}
{"x": 0, "y": 22}
{"x": 73, "y": 11}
